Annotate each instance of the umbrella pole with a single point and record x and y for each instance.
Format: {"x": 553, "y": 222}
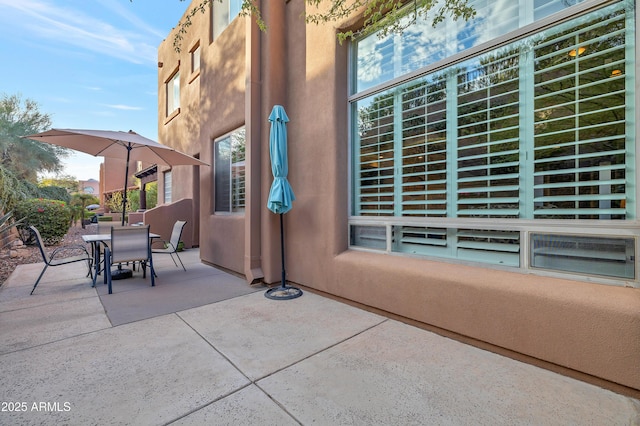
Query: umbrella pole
{"x": 126, "y": 183}
{"x": 283, "y": 292}
{"x": 283, "y": 283}
{"x": 121, "y": 273}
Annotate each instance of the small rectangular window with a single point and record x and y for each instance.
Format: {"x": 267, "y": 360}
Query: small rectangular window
{"x": 373, "y": 237}
{"x": 594, "y": 255}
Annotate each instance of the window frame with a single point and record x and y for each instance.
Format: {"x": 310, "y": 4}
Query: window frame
{"x": 195, "y": 60}
{"x": 172, "y": 85}
{"x": 231, "y": 207}
{"x": 229, "y": 9}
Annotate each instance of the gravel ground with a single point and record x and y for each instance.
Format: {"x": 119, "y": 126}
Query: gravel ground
{"x": 31, "y": 254}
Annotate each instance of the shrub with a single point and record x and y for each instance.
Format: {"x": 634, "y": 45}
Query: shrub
{"x": 51, "y": 217}
{"x": 114, "y": 203}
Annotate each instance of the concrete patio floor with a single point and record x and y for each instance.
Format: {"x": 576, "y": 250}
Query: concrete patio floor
{"x": 204, "y": 347}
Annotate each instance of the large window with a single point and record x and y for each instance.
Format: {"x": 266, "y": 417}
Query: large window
{"x": 537, "y": 128}
{"x": 229, "y": 172}
{"x": 224, "y": 11}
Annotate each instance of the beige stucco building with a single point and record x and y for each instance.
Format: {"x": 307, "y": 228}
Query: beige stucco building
{"x": 478, "y": 179}
{"x": 90, "y": 186}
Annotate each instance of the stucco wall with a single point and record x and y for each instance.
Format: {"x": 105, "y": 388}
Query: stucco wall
{"x": 318, "y": 148}
{"x": 211, "y": 105}
{"x": 114, "y": 170}
{"x": 162, "y": 218}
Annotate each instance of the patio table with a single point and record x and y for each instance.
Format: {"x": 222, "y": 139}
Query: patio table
{"x": 96, "y": 241}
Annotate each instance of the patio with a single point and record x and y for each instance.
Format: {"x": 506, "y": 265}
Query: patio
{"x": 204, "y": 347}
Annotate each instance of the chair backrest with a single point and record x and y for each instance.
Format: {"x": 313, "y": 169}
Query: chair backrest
{"x": 105, "y": 227}
{"x": 40, "y": 243}
{"x": 129, "y": 243}
{"x": 176, "y": 234}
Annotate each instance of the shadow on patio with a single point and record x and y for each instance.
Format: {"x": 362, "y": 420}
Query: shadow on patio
{"x": 204, "y": 347}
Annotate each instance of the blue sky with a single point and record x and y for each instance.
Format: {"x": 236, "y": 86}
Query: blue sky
{"x": 90, "y": 64}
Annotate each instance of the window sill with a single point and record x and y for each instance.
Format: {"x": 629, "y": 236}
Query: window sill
{"x": 171, "y": 116}
{"x": 195, "y": 75}
{"x": 228, "y": 214}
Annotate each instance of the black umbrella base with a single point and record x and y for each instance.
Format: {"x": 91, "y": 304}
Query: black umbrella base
{"x": 283, "y": 293}
{"x": 121, "y": 274}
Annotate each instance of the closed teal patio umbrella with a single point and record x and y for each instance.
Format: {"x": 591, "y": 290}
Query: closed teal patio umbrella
{"x": 281, "y": 195}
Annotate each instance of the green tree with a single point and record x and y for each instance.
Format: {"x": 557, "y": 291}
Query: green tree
{"x": 79, "y": 202}
{"x": 133, "y": 200}
{"x": 25, "y": 158}
{"x": 14, "y": 190}
{"x": 54, "y": 193}
{"x": 378, "y": 15}
{"x": 114, "y": 202}
{"x": 152, "y": 194}
{"x": 70, "y": 183}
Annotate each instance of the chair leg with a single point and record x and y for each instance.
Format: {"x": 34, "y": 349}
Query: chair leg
{"x": 174, "y": 261}
{"x": 46, "y": 265}
{"x": 95, "y": 275}
{"x": 153, "y": 272}
{"x": 89, "y": 264}
{"x": 185, "y": 269}
{"x": 107, "y": 268}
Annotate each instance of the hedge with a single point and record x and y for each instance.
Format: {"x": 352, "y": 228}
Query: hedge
{"x": 51, "y": 217}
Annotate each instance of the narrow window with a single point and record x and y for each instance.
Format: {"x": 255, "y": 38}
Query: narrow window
{"x": 167, "y": 187}
{"x": 173, "y": 93}
{"x": 229, "y": 173}
{"x": 195, "y": 59}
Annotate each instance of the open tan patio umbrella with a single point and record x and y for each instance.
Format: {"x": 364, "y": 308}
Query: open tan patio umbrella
{"x": 117, "y": 144}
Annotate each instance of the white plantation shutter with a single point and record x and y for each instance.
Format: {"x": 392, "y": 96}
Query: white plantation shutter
{"x": 488, "y": 145}
{"x": 374, "y": 161}
{"x": 424, "y": 149}
{"x": 579, "y": 112}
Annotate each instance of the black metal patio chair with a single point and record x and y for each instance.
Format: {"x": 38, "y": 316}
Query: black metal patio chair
{"x": 56, "y": 258}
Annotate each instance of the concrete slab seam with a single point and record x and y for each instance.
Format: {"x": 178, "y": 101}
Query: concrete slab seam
{"x": 55, "y": 341}
{"x": 55, "y": 302}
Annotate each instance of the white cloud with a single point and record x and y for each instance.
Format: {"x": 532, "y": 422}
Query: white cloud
{"x": 61, "y": 100}
{"x": 124, "y": 107}
{"x": 64, "y": 25}
{"x": 125, "y": 12}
